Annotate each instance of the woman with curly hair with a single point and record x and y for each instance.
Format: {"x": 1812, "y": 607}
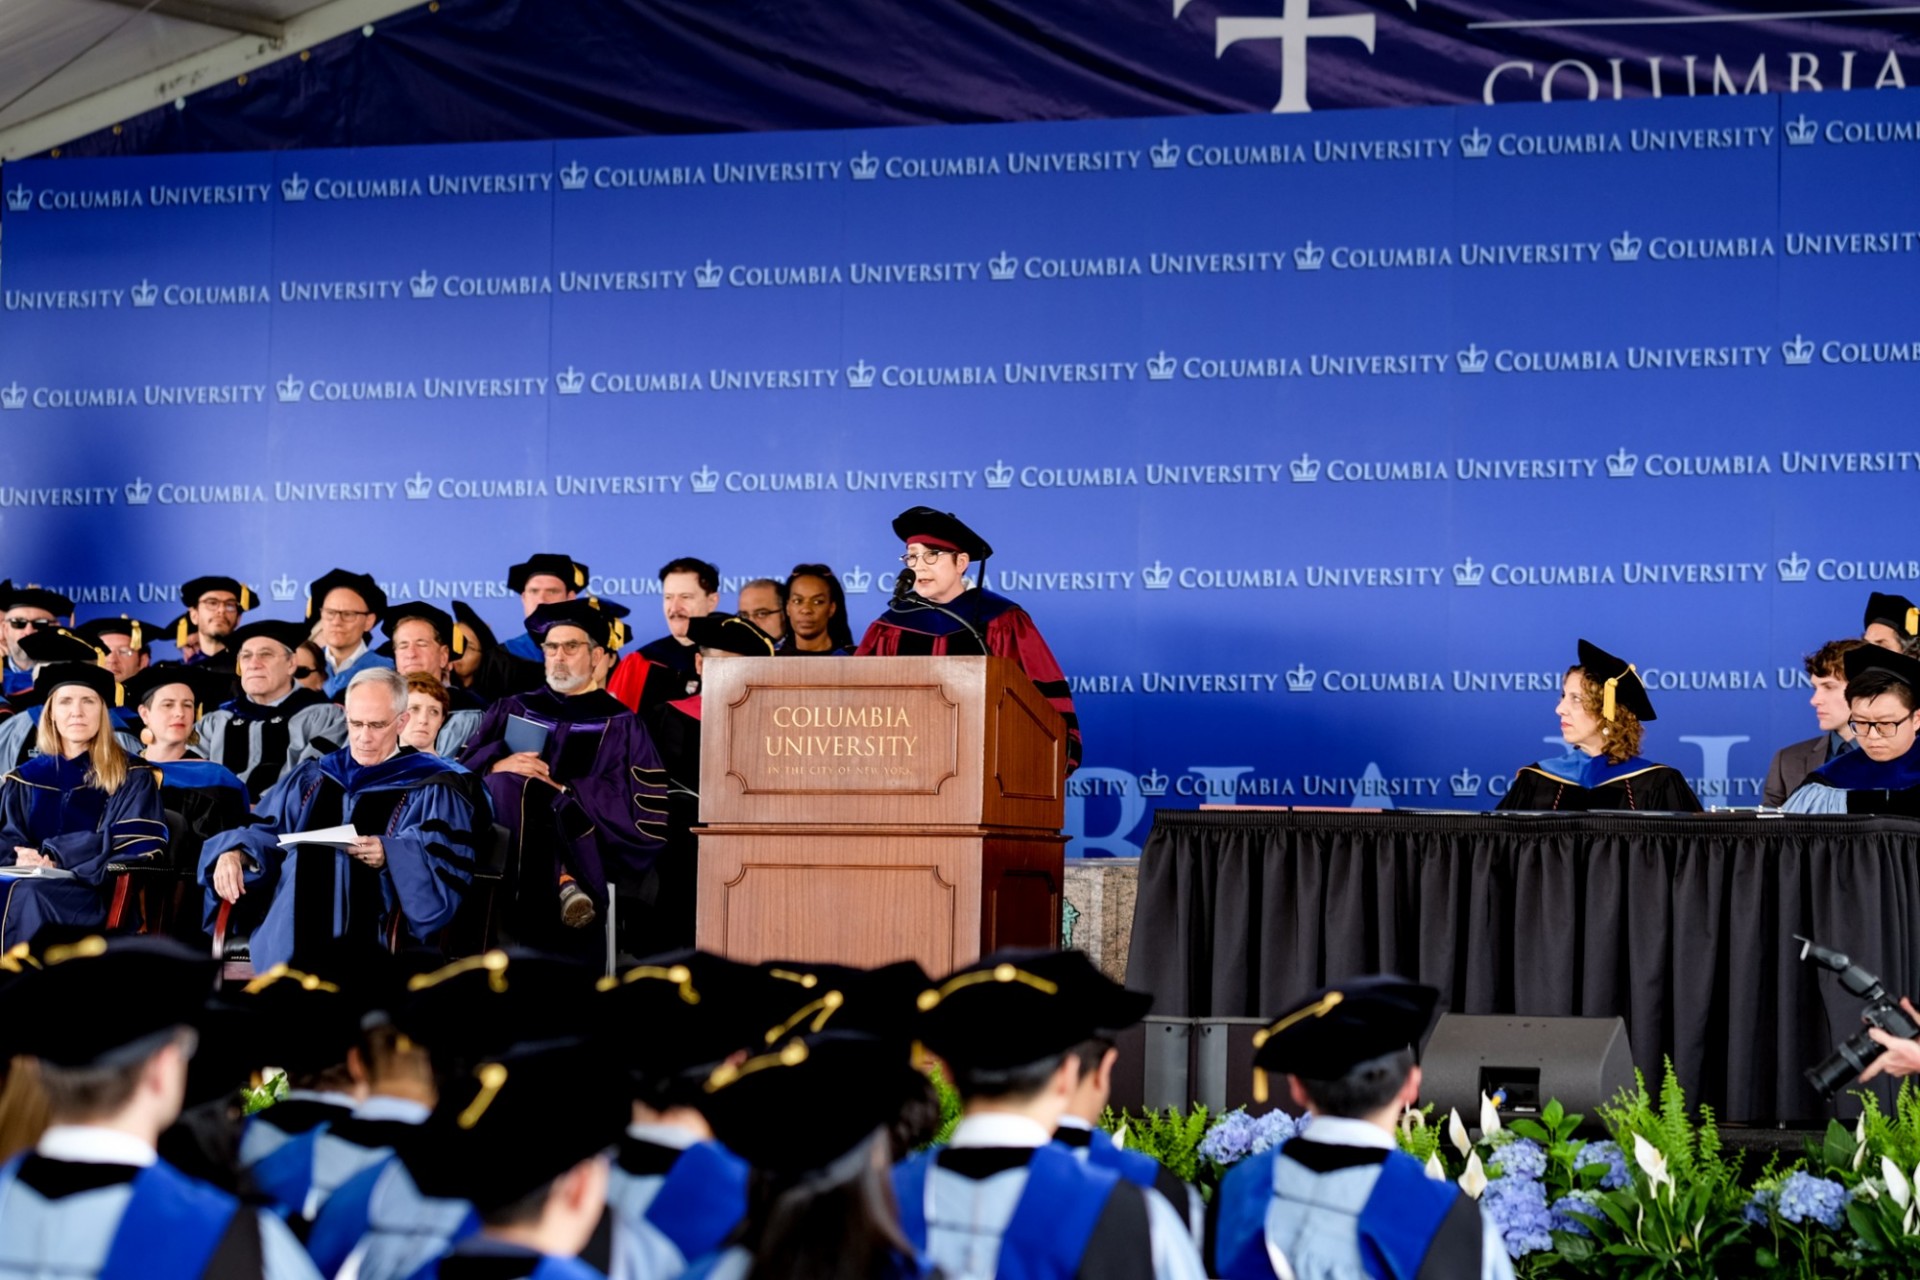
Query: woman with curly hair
{"x": 1603, "y": 704}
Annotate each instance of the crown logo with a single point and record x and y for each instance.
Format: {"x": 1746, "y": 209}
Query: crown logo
{"x": 1153, "y": 784}
{"x": 1473, "y": 359}
{"x": 1626, "y": 247}
{"x": 146, "y": 293}
{"x": 1476, "y": 145}
{"x": 856, "y": 580}
{"x": 293, "y": 189}
{"x": 419, "y": 486}
{"x": 1469, "y": 573}
{"x": 290, "y": 389}
{"x": 1160, "y": 368}
{"x": 13, "y": 397}
{"x": 1157, "y": 576}
{"x": 1164, "y": 154}
{"x": 707, "y": 274}
{"x": 424, "y": 285}
{"x": 284, "y": 587}
{"x": 865, "y": 166}
{"x": 19, "y": 200}
{"x": 1793, "y": 567}
{"x": 1305, "y": 469}
{"x": 1003, "y": 267}
{"x": 860, "y": 375}
{"x": 1466, "y": 784}
{"x": 1797, "y": 351}
{"x": 706, "y": 480}
{"x": 1000, "y": 475}
{"x": 1622, "y": 465}
{"x": 1802, "y": 132}
{"x": 574, "y": 177}
{"x": 570, "y": 380}
{"x": 1309, "y": 256}
{"x": 1300, "y": 679}
{"x": 139, "y": 493}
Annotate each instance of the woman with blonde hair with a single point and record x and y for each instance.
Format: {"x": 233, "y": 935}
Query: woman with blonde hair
{"x": 73, "y": 809}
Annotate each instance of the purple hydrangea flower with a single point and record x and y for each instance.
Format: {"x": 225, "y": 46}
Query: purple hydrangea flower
{"x": 1575, "y": 1202}
{"x": 1229, "y": 1140}
{"x": 1804, "y": 1197}
{"x": 1272, "y": 1129}
{"x": 1522, "y": 1158}
{"x": 1610, "y": 1155}
{"x": 1518, "y": 1208}
{"x": 1760, "y": 1207}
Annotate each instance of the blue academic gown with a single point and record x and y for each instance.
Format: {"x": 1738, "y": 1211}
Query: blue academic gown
{"x": 525, "y": 646}
{"x": 46, "y": 804}
{"x": 478, "y": 1258}
{"x": 672, "y": 1207}
{"x": 302, "y": 1174}
{"x": 16, "y": 680}
{"x": 381, "y": 1218}
{"x": 337, "y": 680}
{"x": 1857, "y": 783}
{"x": 415, "y": 802}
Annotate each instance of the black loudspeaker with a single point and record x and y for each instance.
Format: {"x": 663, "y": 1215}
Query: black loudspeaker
{"x": 1581, "y": 1062}
{"x": 1223, "y": 1067}
{"x": 1154, "y": 1065}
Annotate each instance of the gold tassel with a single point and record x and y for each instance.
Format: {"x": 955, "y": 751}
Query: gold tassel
{"x": 119, "y": 695}
{"x": 309, "y": 608}
{"x": 180, "y": 631}
{"x": 459, "y": 641}
{"x": 579, "y": 577}
{"x": 135, "y": 637}
{"x": 1606, "y": 698}
{"x": 1259, "y": 1085}
{"x": 1913, "y": 622}
{"x": 246, "y": 598}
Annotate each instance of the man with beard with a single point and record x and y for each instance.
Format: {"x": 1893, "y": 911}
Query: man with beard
{"x": 215, "y": 604}
{"x": 272, "y": 726}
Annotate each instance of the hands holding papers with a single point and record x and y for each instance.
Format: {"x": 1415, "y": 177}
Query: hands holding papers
{"x": 230, "y": 882}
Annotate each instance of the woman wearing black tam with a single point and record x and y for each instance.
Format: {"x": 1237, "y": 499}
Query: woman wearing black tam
{"x": 1603, "y": 703}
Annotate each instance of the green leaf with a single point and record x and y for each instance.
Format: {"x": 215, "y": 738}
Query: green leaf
{"x": 1528, "y": 1129}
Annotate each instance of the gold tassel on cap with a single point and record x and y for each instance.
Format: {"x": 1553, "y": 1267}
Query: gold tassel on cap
{"x": 579, "y": 577}
{"x": 493, "y": 1077}
{"x": 459, "y": 641}
{"x": 1608, "y": 690}
{"x": 246, "y": 598}
{"x": 1913, "y": 622}
{"x": 134, "y": 634}
{"x": 309, "y": 608}
{"x": 180, "y": 631}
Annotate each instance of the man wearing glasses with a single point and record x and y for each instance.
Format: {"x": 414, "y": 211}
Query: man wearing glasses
{"x": 346, "y": 605}
{"x": 1883, "y": 775}
{"x": 763, "y": 602}
{"x": 936, "y": 610}
{"x": 214, "y": 603}
{"x": 25, "y": 609}
{"x": 271, "y": 726}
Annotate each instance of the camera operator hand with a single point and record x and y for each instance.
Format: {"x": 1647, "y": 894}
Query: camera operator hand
{"x": 1902, "y": 1057}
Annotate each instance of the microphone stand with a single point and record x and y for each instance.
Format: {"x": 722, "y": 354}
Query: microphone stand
{"x": 904, "y": 599}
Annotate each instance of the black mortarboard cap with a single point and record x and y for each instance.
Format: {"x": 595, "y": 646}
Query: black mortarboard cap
{"x": 50, "y": 677}
{"x": 940, "y": 528}
{"x": 1620, "y": 685}
{"x": 1019, "y": 1007}
{"x": 549, "y": 564}
{"x": 600, "y": 619}
{"x": 139, "y": 634}
{"x": 29, "y": 596}
{"x": 290, "y": 634}
{"x": 361, "y": 584}
{"x": 194, "y": 588}
{"x": 1870, "y": 657}
{"x": 684, "y": 1011}
{"x": 830, "y": 997}
{"x": 803, "y": 1106}
{"x": 59, "y": 644}
{"x": 102, "y": 1001}
{"x": 730, "y": 633}
{"x": 518, "y": 1120}
{"x": 439, "y": 619}
{"x": 1897, "y": 612}
{"x": 482, "y": 1005}
{"x": 1337, "y": 1028}
{"x": 210, "y": 687}
{"x": 301, "y": 1021}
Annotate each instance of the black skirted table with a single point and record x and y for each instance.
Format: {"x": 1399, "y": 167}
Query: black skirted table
{"x": 1682, "y": 925}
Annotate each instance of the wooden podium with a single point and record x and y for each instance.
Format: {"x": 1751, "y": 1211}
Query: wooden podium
{"x": 865, "y": 810}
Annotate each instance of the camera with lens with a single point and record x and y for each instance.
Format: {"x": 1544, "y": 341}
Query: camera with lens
{"x": 1851, "y": 1056}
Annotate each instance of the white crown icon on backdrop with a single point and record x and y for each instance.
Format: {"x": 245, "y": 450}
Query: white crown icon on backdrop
{"x": 19, "y": 200}
{"x": 1465, "y": 783}
{"x": 865, "y": 166}
{"x": 1000, "y": 475}
{"x": 146, "y": 293}
{"x": 861, "y": 374}
{"x": 856, "y": 580}
{"x": 1153, "y": 783}
{"x": 13, "y": 397}
{"x": 139, "y": 493}
{"x": 573, "y": 177}
{"x": 1160, "y": 368}
{"x": 707, "y": 275}
{"x": 284, "y": 587}
{"x": 419, "y": 486}
{"x": 1476, "y": 145}
{"x": 1309, "y": 257}
{"x": 293, "y": 189}
{"x": 1305, "y": 469}
{"x": 1300, "y": 679}
{"x": 424, "y": 285}
{"x": 1798, "y": 350}
{"x": 1802, "y": 132}
{"x": 1472, "y": 359}
{"x": 1622, "y": 465}
{"x": 570, "y": 380}
{"x": 1625, "y": 247}
{"x": 290, "y": 389}
{"x": 1157, "y": 576}
{"x": 705, "y": 480}
{"x": 1793, "y": 567}
{"x": 1469, "y": 573}
{"x": 1164, "y": 154}
{"x": 1003, "y": 267}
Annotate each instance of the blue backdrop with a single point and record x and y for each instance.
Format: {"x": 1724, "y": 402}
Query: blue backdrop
{"x": 1311, "y": 443}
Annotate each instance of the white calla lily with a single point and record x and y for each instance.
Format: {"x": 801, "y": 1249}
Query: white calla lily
{"x": 1898, "y": 1189}
{"x": 1457, "y": 1133}
{"x": 1489, "y": 1118}
{"x": 1651, "y": 1162}
{"x": 1860, "y": 1142}
{"x": 1435, "y": 1169}
{"x": 1913, "y": 1216}
{"x": 1474, "y": 1180}
{"x": 1120, "y": 1136}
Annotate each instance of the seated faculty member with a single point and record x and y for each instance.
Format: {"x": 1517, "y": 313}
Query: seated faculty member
{"x": 215, "y": 604}
{"x": 483, "y": 667}
{"x": 763, "y": 602}
{"x": 344, "y": 606}
{"x": 689, "y": 589}
{"x": 209, "y": 798}
{"x": 817, "y": 624}
{"x": 545, "y": 578}
{"x": 45, "y": 646}
{"x": 1603, "y": 704}
{"x": 25, "y": 608}
{"x": 936, "y": 610}
{"x": 414, "y": 855}
{"x": 271, "y": 727}
{"x": 1341, "y": 1202}
{"x": 1826, "y": 668}
{"x": 1883, "y": 775}
{"x": 425, "y": 641}
{"x": 1891, "y": 622}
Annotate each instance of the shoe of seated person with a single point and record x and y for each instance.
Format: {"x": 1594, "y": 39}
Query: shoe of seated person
{"x": 576, "y": 906}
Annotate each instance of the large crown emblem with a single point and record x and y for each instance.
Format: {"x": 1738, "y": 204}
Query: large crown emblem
{"x": 1157, "y": 576}
{"x": 1309, "y": 257}
{"x": 1000, "y": 475}
{"x": 574, "y": 177}
{"x": 1473, "y": 359}
{"x": 293, "y": 188}
{"x": 1469, "y": 573}
{"x": 284, "y": 587}
{"x": 1300, "y": 679}
{"x": 1622, "y": 465}
{"x": 1476, "y": 145}
{"x": 290, "y": 389}
{"x": 1465, "y": 784}
{"x": 1154, "y": 784}
{"x": 1793, "y": 567}
{"x": 1798, "y": 350}
{"x": 419, "y": 486}
{"x": 865, "y": 166}
{"x": 1625, "y": 247}
{"x": 1160, "y": 368}
{"x": 705, "y": 480}
{"x": 856, "y": 580}
{"x": 570, "y": 381}
{"x": 707, "y": 274}
{"x": 424, "y": 285}
{"x": 1003, "y": 267}
{"x": 1802, "y": 132}
{"x": 13, "y": 396}
{"x": 139, "y": 493}
{"x": 860, "y": 374}
{"x": 19, "y": 200}
{"x": 146, "y": 293}
{"x": 1305, "y": 469}
{"x": 1164, "y": 154}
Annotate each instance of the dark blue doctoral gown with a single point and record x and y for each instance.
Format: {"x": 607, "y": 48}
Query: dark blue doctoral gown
{"x": 47, "y": 805}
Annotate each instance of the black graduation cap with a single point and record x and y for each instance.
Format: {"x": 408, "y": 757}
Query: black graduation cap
{"x": 599, "y": 618}
{"x": 437, "y": 618}
{"x": 54, "y": 674}
{"x": 940, "y": 529}
{"x": 58, "y": 644}
{"x": 517, "y": 1121}
{"x": 210, "y": 687}
{"x": 484, "y": 1004}
{"x": 812, "y": 1103}
{"x": 361, "y": 584}
{"x": 1620, "y": 685}
{"x": 290, "y": 634}
{"x": 29, "y": 596}
{"x": 684, "y": 1011}
{"x": 830, "y": 997}
{"x": 102, "y": 1001}
{"x": 1337, "y": 1028}
{"x": 1897, "y": 612}
{"x": 194, "y": 588}
{"x": 1870, "y": 657}
{"x": 730, "y": 633}
{"x": 1019, "y": 1007}
{"x": 139, "y": 634}
{"x": 548, "y": 564}
{"x": 300, "y": 1020}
